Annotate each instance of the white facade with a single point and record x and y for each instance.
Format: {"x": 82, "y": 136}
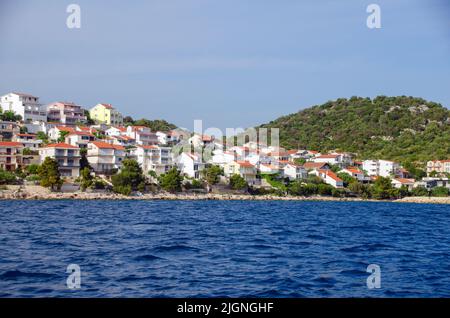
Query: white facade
{"x": 294, "y": 172}
{"x": 153, "y": 158}
{"x": 190, "y": 164}
{"x": 383, "y": 168}
{"x": 105, "y": 158}
{"x": 67, "y": 156}
{"x": 142, "y": 135}
{"x": 25, "y": 105}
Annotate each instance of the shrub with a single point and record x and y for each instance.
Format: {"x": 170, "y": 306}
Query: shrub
{"x": 171, "y": 180}
{"x": 237, "y": 182}
{"x": 440, "y": 192}
{"x": 129, "y": 179}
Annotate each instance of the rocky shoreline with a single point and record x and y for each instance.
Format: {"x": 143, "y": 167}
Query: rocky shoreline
{"x": 39, "y": 193}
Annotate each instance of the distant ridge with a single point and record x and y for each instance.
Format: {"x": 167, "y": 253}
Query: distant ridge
{"x": 398, "y": 128}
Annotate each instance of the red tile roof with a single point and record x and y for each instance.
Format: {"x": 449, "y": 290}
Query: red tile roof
{"x": 10, "y": 144}
{"x": 314, "y": 165}
{"x": 245, "y": 164}
{"x": 105, "y": 145}
{"x": 61, "y": 145}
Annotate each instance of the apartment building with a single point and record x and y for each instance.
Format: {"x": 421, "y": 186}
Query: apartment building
{"x": 153, "y": 158}
{"x": 66, "y": 113}
{"x": 67, "y": 156}
{"x": 106, "y": 114}
{"x": 10, "y": 155}
{"x": 25, "y": 105}
{"x": 105, "y": 158}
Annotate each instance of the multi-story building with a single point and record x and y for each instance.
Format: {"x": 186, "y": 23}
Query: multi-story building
{"x": 153, "y": 158}
{"x": 294, "y": 171}
{"x": 142, "y": 135}
{"x": 106, "y": 114}
{"x": 439, "y": 166}
{"x": 25, "y": 105}
{"x": 8, "y": 130}
{"x": 10, "y": 155}
{"x": 243, "y": 168}
{"x": 383, "y": 168}
{"x": 67, "y": 156}
{"x": 29, "y": 141}
{"x": 105, "y": 158}
{"x": 66, "y": 113}
{"x": 190, "y": 164}
{"x": 79, "y": 139}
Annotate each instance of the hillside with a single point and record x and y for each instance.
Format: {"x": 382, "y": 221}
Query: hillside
{"x": 398, "y": 128}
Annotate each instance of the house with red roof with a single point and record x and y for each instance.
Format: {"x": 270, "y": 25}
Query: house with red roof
{"x": 67, "y": 156}
{"x": 329, "y": 177}
{"x": 355, "y": 173}
{"x": 66, "y": 113}
{"x": 10, "y": 155}
{"x": 79, "y": 139}
{"x": 294, "y": 171}
{"x": 243, "y": 168}
{"x": 400, "y": 182}
{"x": 190, "y": 164}
{"x": 153, "y": 158}
{"x": 105, "y": 158}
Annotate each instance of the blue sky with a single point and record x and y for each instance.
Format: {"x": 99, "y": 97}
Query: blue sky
{"x": 233, "y": 63}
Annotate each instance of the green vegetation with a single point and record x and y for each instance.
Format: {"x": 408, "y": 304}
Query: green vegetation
{"x": 212, "y": 174}
{"x": 237, "y": 182}
{"x": 154, "y": 125}
{"x": 171, "y": 180}
{"x": 405, "y": 129}
{"x": 129, "y": 179}
{"x": 7, "y": 177}
{"x": 275, "y": 181}
{"x": 49, "y": 174}
{"x": 42, "y": 136}
{"x": 62, "y": 136}
{"x": 440, "y": 192}
{"x": 9, "y": 116}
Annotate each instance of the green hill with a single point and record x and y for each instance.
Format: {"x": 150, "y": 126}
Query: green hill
{"x": 398, "y": 128}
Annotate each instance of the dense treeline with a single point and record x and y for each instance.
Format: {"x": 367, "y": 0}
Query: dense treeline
{"x": 406, "y": 129}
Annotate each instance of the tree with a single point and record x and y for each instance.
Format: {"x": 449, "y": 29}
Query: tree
{"x": 49, "y": 174}
{"x": 32, "y": 169}
{"x": 84, "y": 163}
{"x": 89, "y": 120}
{"x": 23, "y": 129}
{"x": 155, "y": 125}
{"x": 42, "y": 136}
{"x": 212, "y": 174}
{"x": 359, "y": 189}
{"x": 10, "y": 116}
{"x": 440, "y": 192}
{"x": 171, "y": 180}
{"x": 6, "y": 177}
{"x": 420, "y": 192}
{"x": 382, "y": 188}
{"x": 86, "y": 179}
{"x": 128, "y": 120}
{"x": 130, "y": 178}
{"x": 62, "y": 136}
{"x": 237, "y": 182}
{"x": 346, "y": 178}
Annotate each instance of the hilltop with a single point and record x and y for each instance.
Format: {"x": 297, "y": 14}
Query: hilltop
{"x": 398, "y": 128}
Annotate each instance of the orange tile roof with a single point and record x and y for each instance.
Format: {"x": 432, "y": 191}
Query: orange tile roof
{"x": 404, "y": 180}
{"x": 245, "y": 164}
{"x": 61, "y": 145}
{"x": 105, "y": 145}
{"x": 314, "y": 165}
{"x": 10, "y": 144}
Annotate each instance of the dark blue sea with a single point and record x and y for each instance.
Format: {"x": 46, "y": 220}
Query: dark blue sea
{"x": 223, "y": 248}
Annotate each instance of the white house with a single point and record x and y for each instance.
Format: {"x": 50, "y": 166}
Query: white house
{"x": 79, "y": 138}
{"x": 153, "y": 158}
{"x": 383, "y": 168}
{"x": 329, "y": 177}
{"x": 29, "y": 141}
{"x": 104, "y": 158}
{"x": 67, "y": 156}
{"x": 355, "y": 173}
{"x": 399, "y": 182}
{"x": 116, "y": 131}
{"x": 25, "y": 105}
{"x": 294, "y": 171}
{"x": 190, "y": 164}
{"x": 142, "y": 135}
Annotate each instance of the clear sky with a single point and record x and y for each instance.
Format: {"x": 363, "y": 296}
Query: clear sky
{"x": 231, "y": 63}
